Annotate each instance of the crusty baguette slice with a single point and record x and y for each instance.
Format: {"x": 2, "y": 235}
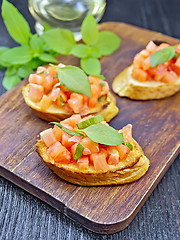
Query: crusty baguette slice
{"x": 126, "y": 171}
{"x": 126, "y": 86}
{"x": 107, "y": 108}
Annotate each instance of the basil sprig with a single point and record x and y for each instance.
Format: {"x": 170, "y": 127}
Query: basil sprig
{"x": 162, "y": 56}
{"x": 67, "y": 130}
{"x": 94, "y": 120}
{"x": 78, "y": 152}
{"x": 37, "y": 50}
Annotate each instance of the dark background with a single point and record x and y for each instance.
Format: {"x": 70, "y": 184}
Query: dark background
{"x": 22, "y": 216}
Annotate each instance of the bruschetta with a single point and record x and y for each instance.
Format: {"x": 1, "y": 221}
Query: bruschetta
{"x": 54, "y": 102}
{"x": 142, "y": 82}
{"x": 94, "y": 163}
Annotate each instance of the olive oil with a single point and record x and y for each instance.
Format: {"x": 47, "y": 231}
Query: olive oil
{"x": 67, "y": 14}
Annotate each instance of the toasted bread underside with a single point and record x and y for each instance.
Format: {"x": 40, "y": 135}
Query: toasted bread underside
{"x": 126, "y": 171}
{"x": 126, "y": 86}
{"x": 107, "y": 108}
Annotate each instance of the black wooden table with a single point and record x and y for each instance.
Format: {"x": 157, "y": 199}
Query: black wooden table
{"x": 22, "y": 216}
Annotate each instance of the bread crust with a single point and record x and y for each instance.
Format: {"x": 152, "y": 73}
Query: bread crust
{"x": 107, "y": 108}
{"x": 129, "y": 170}
{"x": 126, "y": 86}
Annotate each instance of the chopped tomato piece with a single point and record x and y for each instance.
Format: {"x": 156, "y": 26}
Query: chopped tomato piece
{"x": 72, "y": 121}
{"x": 45, "y": 103}
{"x": 41, "y": 69}
{"x": 59, "y": 153}
{"x": 94, "y": 80}
{"x": 35, "y": 92}
{"x": 76, "y": 102}
{"x": 92, "y": 102}
{"x": 57, "y": 133}
{"x": 123, "y": 151}
{"x": 36, "y": 79}
{"x": 139, "y": 74}
{"x": 89, "y": 146}
{"x": 96, "y": 90}
{"x": 151, "y": 47}
{"x": 146, "y": 63}
{"x": 48, "y": 137}
{"x": 65, "y": 140}
{"x": 99, "y": 160}
{"x": 73, "y": 149}
{"x": 83, "y": 163}
{"x": 113, "y": 155}
{"x": 127, "y": 132}
{"x": 55, "y": 94}
{"x": 169, "y": 77}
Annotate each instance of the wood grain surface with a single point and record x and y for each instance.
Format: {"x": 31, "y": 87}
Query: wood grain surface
{"x": 155, "y": 126}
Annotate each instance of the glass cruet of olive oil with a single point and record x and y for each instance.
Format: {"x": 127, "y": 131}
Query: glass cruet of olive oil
{"x": 67, "y": 14}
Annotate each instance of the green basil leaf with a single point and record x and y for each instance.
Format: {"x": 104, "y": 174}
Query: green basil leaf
{"x": 74, "y": 79}
{"x": 48, "y": 58}
{"x": 35, "y": 62}
{"x": 104, "y": 134}
{"x": 67, "y": 130}
{"x": 10, "y": 81}
{"x": 100, "y": 98}
{"x": 36, "y": 43}
{"x": 93, "y": 52}
{"x": 129, "y": 145}
{"x": 17, "y": 55}
{"x": 46, "y": 27}
{"x": 79, "y": 50}
{"x": 89, "y": 30}
{"x": 91, "y": 66}
{"x": 107, "y": 42}
{"x": 12, "y": 70}
{"x": 60, "y": 40}
{"x": 15, "y": 23}
{"x": 25, "y": 70}
{"x": 94, "y": 120}
{"x": 162, "y": 56}
{"x": 3, "y": 49}
{"x": 78, "y": 152}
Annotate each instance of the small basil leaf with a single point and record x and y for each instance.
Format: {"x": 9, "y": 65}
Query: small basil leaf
{"x": 79, "y": 51}
{"x": 162, "y": 56}
{"x": 89, "y": 30}
{"x": 2, "y": 62}
{"x": 107, "y": 42}
{"x": 94, "y": 120}
{"x": 104, "y": 134}
{"x": 3, "y": 49}
{"x": 93, "y": 52}
{"x": 129, "y": 145}
{"x": 36, "y": 43}
{"x": 67, "y": 130}
{"x": 11, "y": 71}
{"x": 10, "y": 81}
{"x": 15, "y": 23}
{"x": 78, "y": 152}
{"x": 48, "y": 58}
{"x": 17, "y": 55}
{"x": 74, "y": 79}
{"x": 25, "y": 70}
{"x": 60, "y": 40}
{"x": 91, "y": 66}
{"x": 46, "y": 27}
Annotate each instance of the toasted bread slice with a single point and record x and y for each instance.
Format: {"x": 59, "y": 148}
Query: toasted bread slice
{"x": 106, "y": 107}
{"x": 129, "y": 170}
{"x": 126, "y": 86}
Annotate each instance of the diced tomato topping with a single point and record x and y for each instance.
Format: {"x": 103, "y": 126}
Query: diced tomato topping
{"x": 59, "y": 153}
{"x": 45, "y": 103}
{"x": 123, "y": 151}
{"x": 57, "y": 133}
{"x": 92, "y": 102}
{"x": 113, "y": 155}
{"x": 72, "y": 121}
{"x": 76, "y": 102}
{"x": 96, "y": 90}
{"x": 73, "y": 149}
{"x": 41, "y": 69}
{"x": 99, "y": 160}
{"x": 55, "y": 94}
{"x": 89, "y": 146}
{"x": 35, "y": 92}
{"x": 83, "y": 163}
{"x": 166, "y": 72}
{"x": 48, "y": 137}
{"x": 65, "y": 140}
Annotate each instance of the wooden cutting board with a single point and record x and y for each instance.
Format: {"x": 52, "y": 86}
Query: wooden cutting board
{"x": 156, "y": 126}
